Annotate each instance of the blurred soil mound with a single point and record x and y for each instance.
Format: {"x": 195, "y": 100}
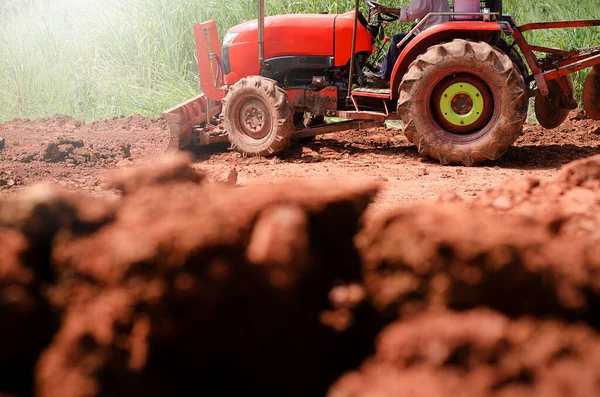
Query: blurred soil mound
{"x": 186, "y": 287}
{"x": 528, "y": 252}
{"x": 571, "y": 201}
{"x": 179, "y": 287}
{"x": 453, "y": 255}
{"x": 479, "y": 353}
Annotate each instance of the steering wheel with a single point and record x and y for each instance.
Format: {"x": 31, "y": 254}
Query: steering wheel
{"x": 383, "y": 17}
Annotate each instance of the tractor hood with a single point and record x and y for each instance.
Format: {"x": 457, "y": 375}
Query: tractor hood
{"x": 315, "y": 35}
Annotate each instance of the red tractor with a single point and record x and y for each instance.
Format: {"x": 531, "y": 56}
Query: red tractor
{"x": 459, "y": 88}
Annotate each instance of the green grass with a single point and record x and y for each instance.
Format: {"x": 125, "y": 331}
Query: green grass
{"x": 93, "y": 59}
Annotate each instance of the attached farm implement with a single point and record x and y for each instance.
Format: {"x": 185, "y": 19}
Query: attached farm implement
{"x": 461, "y": 88}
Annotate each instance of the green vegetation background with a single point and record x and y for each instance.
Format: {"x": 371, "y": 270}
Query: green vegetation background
{"x": 97, "y": 59}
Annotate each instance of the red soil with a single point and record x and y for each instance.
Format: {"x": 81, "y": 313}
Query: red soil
{"x": 177, "y": 285}
{"x": 381, "y": 155}
{"x": 479, "y": 353}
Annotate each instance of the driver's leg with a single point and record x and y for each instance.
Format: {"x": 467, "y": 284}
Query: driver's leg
{"x": 387, "y": 65}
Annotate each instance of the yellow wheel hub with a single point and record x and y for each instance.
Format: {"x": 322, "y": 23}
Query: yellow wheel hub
{"x": 462, "y": 104}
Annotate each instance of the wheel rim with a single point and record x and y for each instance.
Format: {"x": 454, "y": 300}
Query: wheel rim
{"x": 252, "y": 118}
{"x": 462, "y": 104}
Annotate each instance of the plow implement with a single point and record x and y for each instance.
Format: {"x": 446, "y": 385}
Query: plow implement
{"x": 194, "y": 122}
{"x": 555, "y": 94}
{"x": 591, "y": 94}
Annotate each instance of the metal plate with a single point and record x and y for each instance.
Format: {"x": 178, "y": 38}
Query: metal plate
{"x": 591, "y": 94}
{"x": 549, "y": 110}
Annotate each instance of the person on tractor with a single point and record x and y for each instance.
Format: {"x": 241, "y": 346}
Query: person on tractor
{"x": 415, "y": 10}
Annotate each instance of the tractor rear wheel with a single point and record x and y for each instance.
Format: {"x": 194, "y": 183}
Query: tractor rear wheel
{"x": 257, "y": 117}
{"x": 463, "y": 102}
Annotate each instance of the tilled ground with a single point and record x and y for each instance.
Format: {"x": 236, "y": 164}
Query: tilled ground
{"x": 462, "y": 282}
{"x": 72, "y": 154}
{"x": 76, "y": 156}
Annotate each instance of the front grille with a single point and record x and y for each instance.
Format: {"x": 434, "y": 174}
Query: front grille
{"x": 226, "y": 65}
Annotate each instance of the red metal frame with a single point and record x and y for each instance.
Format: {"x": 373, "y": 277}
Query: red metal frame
{"x": 559, "y": 25}
{"x": 356, "y": 123}
{"x": 207, "y": 46}
{"x": 474, "y": 30}
{"x": 383, "y": 93}
{"x": 183, "y": 118}
{"x": 560, "y": 62}
{"x": 319, "y": 102}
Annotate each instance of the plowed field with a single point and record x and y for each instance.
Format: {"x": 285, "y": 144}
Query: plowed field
{"x": 346, "y": 267}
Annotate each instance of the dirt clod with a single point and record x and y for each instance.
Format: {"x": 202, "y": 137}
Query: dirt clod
{"x": 569, "y": 202}
{"x": 452, "y": 255}
{"x": 228, "y": 177}
{"x": 126, "y": 149}
{"x": 61, "y": 150}
{"x": 173, "y": 168}
{"x": 479, "y": 353}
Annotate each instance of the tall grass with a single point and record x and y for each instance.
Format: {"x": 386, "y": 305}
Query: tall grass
{"x": 94, "y": 59}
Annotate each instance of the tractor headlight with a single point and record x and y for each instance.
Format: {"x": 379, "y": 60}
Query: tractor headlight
{"x": 227, "y": 40}
{"x": 229, "y": 37}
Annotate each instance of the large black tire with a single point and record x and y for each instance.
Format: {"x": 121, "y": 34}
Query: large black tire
{"x": 514, "y": 56}
{"x": 257, "y": 117}
{"x": 499, "y": 83}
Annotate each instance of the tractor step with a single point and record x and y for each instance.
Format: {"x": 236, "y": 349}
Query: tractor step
{"x": 337, "y": 127}
{"x": 371, "y": 92}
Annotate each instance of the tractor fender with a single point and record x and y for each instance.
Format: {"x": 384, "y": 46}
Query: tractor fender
{"x": 444, "y": 32}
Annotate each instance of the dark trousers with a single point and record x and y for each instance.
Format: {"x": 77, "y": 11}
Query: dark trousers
{"x": 387, "y": 66}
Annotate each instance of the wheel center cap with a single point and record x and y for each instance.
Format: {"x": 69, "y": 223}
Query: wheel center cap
{"x": 462, "y": 104}
{"x": 254, "y": 120}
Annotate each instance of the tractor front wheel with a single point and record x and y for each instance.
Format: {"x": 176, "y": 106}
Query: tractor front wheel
{"x": 257, "y": 117}
{"x": 463, "y": 102}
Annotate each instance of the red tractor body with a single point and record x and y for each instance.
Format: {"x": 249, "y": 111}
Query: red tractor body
{"x": 459, "y": 88}
{"x": 292, "y": 40}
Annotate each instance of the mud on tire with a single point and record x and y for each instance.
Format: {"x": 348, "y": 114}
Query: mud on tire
{"x": 495, "y": 77}
{"x": 257, "y": 117}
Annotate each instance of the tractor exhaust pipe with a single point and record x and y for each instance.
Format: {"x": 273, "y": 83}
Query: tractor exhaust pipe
{"x": 352, "y": 64}
{"x": 261, "y": 35}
